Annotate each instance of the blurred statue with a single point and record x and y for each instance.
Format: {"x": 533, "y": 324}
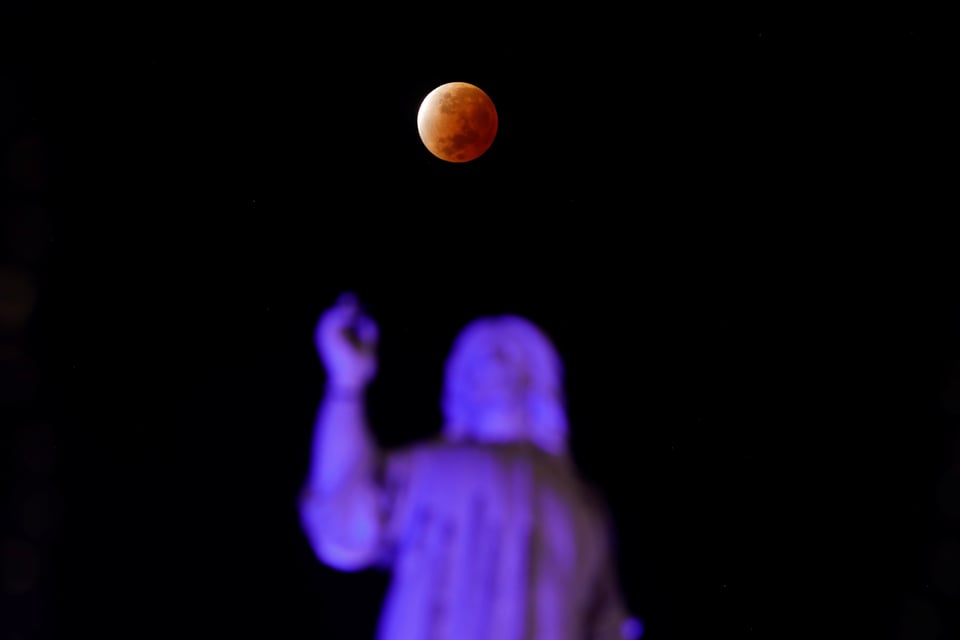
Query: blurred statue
{"x": 490, "y": 533}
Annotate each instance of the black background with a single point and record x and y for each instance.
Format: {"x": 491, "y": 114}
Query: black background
{"x": 726, "y": 221}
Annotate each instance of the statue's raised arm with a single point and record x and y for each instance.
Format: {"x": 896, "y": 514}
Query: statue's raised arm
{"x": 339, "y": 505}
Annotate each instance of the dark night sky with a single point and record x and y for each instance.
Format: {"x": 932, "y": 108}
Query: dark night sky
{"x": 719, "y": 219}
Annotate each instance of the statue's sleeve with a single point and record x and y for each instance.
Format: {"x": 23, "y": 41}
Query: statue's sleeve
{"x": 609, "y": 618}
{"x": 354, "y": 527}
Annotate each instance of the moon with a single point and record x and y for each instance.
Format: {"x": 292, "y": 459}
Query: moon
{"x": 457, "y": 122}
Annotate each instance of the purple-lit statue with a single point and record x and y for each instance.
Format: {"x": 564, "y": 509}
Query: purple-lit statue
{"x": 489, "y": 530}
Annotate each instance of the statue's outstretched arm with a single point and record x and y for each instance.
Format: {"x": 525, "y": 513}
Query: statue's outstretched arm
{"x": 340, "y": 501}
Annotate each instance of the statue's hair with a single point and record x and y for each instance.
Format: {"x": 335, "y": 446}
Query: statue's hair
{"x": 545, "y": 405}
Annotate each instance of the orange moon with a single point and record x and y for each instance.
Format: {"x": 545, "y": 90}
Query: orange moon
{"x": 457, "y": 122}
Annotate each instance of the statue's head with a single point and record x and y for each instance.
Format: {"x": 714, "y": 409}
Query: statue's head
{"x": 504, "y": 383}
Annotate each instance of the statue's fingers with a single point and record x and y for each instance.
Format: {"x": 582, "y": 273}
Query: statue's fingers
{"x": 337, "y": 318}
{"x": 348, "y": 299}
{"x": 367, "y": 330}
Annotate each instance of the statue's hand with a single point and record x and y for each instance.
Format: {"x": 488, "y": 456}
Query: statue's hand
{"x": 346, "y": 340}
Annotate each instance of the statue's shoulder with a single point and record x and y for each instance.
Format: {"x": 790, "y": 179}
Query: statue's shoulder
{"x": 563, "y": 474}
{"x": 434, "y": 453}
